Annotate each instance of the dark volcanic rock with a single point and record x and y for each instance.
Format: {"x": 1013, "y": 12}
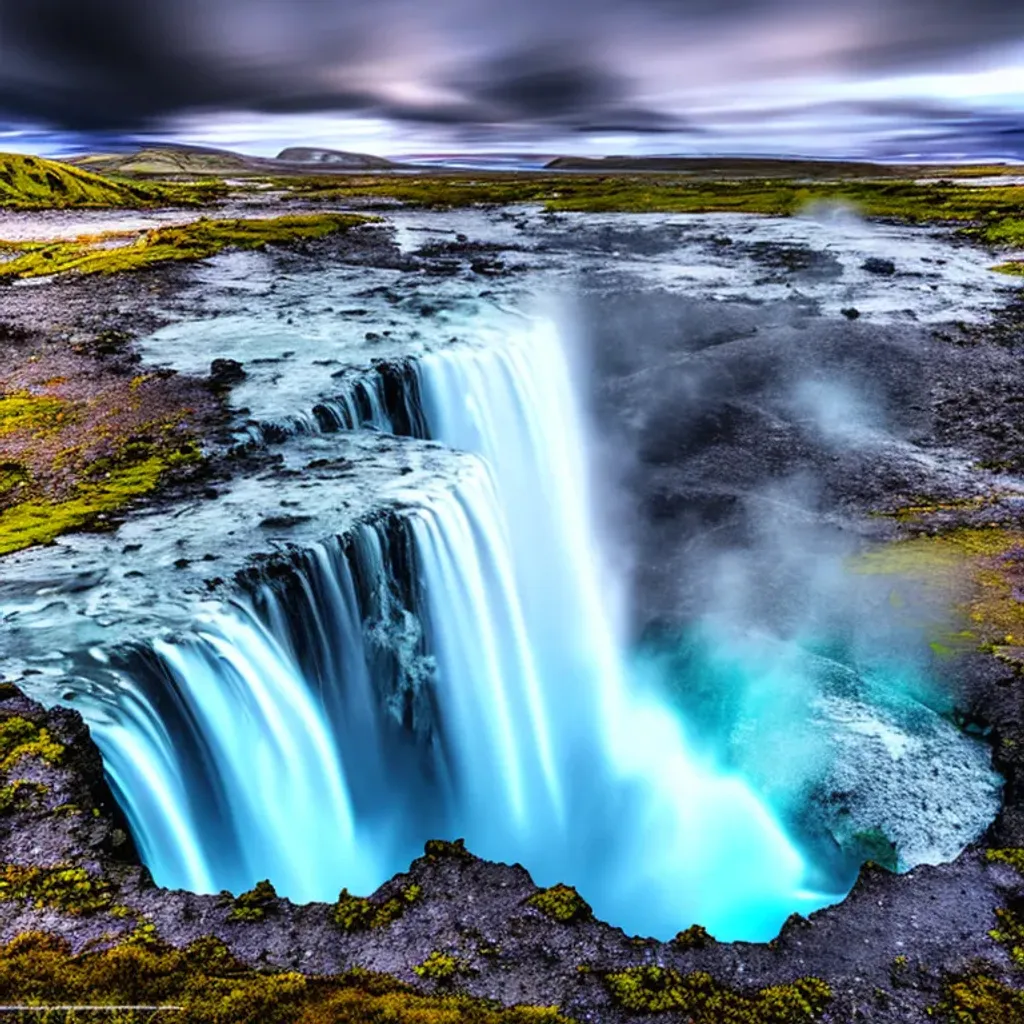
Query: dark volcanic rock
{"x": 879, "y": 266}
{"x": 884, "y": 952}
{"x": 225, "y": 372}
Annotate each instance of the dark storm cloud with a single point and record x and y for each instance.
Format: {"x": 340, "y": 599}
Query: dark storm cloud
{"x": 999, "y": 138}
{"x": 571, "y": 65}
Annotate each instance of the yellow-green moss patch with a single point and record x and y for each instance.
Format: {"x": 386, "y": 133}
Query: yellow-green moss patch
{"x": 979, "y": 999}
{"x": 251, "y": 905}
{"x": 440, "y": 849}
{"x": 30, "y": 182}
{"x": 198, "y": 240}
{"x": 441, "y": 967}
{"x": 1012, "y": 856}
{"x": 972, "y": 571}
{"x": 40, "y": 521}
{"x": 992, "y": 214}
{"x": 1009, "y": 933}
{"x": 24, "y": 411}
{"x": 68, "y": 889}
{"x": 705, "y": 1001}
{"x": 19, "y": 795}
{"x": 211, "y": 986}
{"x": 20, "y": 738}
{"x": 360, "y": 914}
{"x": 561, "y": 903}
{"x": 1015, "y": 268}
{"x": 694, "y": 937}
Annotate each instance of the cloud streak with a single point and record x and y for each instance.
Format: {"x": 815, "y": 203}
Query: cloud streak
{"x": 473, "y": 70}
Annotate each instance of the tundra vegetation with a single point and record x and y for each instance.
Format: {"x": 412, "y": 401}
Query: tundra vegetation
{"x": 99, "y": 254}
{"x": 32, "y": 183}
{"x": 205, "y": 983}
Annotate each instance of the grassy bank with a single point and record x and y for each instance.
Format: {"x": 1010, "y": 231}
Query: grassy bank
{"x": 111, "y": 254}
{"x": 994, "y": 214}
{"x": 204, "y": 983}
{"x": 32, "y": 183}
{"x": 82, "y": 440}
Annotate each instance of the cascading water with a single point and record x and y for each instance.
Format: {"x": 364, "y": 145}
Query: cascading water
{"x": 575, "y": 773}
{"x": 458, "y": 670}
{"x": 386, "y": 398}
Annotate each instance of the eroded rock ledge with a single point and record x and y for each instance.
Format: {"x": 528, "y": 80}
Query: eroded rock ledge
{"x": 947, "y": 938}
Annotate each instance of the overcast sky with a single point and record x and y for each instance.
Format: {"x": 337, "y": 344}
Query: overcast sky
{"x": 861, "y": 77}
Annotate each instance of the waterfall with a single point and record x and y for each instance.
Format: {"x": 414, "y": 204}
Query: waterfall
{"x": 217, "y": 764}
{"x": 288, "y": 736}
{"x": 453, "y": 668}
{"x": 384, "y": 397}
{"x": 567, "y": 765}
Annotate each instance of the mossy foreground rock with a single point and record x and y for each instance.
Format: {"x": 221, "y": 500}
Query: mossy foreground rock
{"x": 706, "y": 1001}
{"x": 205, "y": 984}
{"x": 562, "y": 903}
{"x": 360, "y": 914}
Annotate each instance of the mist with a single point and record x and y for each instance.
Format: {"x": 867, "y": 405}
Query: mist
{"x": 746, "y": 442}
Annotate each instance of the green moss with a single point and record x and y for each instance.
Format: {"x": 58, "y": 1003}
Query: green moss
{"x": 39, "y": 521}
{"x": 212, "y": 987}
{"x": 1015, "y": 268}
{"x": 695, "y": 937}
{"x": 706, "y": 1001}
{"x": 561, "y": 903}
{"x": 440, "y": 849}
{"x": 13, "y": 477}
{"x": 196, "y": 241}
{"x": 143, "y": 934}
{"x": 969, "y": 569}
{"x": 979, "y": 999}
{"x": 68, "y": 889}
{"x": 252, "y": 905}
{"x": 30, "y": 182}
{"x": 1012, "y": 856}
{"x": 991, "y": 214}
{"x": 360, "y": 914}
{"x": 36, "y": 413}
{"x": 20, "y": 738}
{"x": 1009, "y": 933}
{"x": 441, "y": 967}
{"x": 899, "y": 970}
{"x": 18, "y": 795}
{"x": 1007, "y": 231}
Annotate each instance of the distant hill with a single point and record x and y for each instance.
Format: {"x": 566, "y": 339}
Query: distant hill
{"x": 732, "y": 167}
{"x": 178, "y": 161}
{"x": 332, "y": 158}
{"x": 30, "y": 182}
{"x": 167, "y": 161}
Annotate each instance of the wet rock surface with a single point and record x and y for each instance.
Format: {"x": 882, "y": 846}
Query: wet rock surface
{"x": 772, "y": 413}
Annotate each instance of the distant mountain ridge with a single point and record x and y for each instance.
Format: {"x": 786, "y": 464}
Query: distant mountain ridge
{"x": 734, "y": 167}
{"x": 173, "y": 160}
